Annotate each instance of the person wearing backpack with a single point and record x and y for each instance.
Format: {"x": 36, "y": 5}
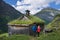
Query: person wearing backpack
{"x": 34, "y": 28}
{"x": 38, "y": 30}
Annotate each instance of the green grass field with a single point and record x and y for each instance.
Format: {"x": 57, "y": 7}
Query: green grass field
{"x": 48, "y": 36}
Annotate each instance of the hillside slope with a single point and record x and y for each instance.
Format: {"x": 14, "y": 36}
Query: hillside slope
{"x": 47, "y": 14}
{"x": 55, "y": 23}
{"x": 7, "y": 13}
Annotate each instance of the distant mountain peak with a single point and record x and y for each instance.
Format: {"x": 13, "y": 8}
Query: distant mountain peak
{"x": 49, "y": 8}
{"x": 47, "y": 14}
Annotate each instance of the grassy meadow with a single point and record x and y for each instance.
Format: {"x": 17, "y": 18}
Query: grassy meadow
{"x": 48, "y": 36}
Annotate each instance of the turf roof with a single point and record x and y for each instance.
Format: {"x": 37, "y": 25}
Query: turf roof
{"x": 31, "y": 20}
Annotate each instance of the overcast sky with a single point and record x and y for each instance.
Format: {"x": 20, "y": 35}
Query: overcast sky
{"x": 33, "y": 5}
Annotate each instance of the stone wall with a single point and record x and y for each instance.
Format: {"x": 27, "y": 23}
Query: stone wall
{"x": 18, "y": 30}
{"x": 22, "y": 29}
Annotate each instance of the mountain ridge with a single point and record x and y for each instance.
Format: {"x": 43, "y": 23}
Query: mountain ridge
{"x": 7, "y": 14}
{"x": 55, "y": 23}
{"x": 47, "y": 14}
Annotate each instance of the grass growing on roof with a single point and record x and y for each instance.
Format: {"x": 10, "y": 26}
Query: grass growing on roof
{"x": 21, "y": 22}
{"x": 35, "y": 19}
{"x": 31, "y": 20}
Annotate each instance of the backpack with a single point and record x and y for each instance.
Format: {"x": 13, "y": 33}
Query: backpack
{"x": 34, "y": 28}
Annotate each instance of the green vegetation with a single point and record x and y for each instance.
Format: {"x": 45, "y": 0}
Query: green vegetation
{"x": 3, "y": 26}
{"x": 54, "y": 23}
{"x": 55, "y": 35}
{"x": 31, "y": 20}
{"x": 4, "y": 34}
{"x": 48, "y": 36}
{"x": 10, "y": 14}
{"x": 36, "y": 19}
{"x": 14, "y": 37}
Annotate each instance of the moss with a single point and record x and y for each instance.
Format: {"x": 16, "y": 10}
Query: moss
{"x": 31, "y": 20}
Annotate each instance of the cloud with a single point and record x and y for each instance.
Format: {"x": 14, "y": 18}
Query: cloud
{"x": 57, "y": 2}
{"x": 33, "y": 5}
{"x": 58, "y": 9}
{"x": 13, "y": 6}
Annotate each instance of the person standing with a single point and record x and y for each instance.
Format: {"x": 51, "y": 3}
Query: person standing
{"x": 38, "y": 30}
{"x": 34, "y": 28}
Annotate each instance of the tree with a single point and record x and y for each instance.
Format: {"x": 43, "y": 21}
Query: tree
{"x": 27, "y": 12}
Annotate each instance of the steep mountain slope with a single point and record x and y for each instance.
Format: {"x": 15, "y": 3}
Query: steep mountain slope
{"x": 55, "y": 23}
{"x": 7, "y": 13}
{"x": 47, "y": 14}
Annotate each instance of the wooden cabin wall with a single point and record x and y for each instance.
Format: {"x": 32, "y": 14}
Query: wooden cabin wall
{"x": 21, "y": 30}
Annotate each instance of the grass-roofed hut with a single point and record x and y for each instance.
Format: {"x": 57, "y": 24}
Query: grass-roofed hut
{"x": 23, "y": 24}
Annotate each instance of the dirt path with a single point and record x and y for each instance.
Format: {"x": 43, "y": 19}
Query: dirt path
{"x": 33, "y": 38}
